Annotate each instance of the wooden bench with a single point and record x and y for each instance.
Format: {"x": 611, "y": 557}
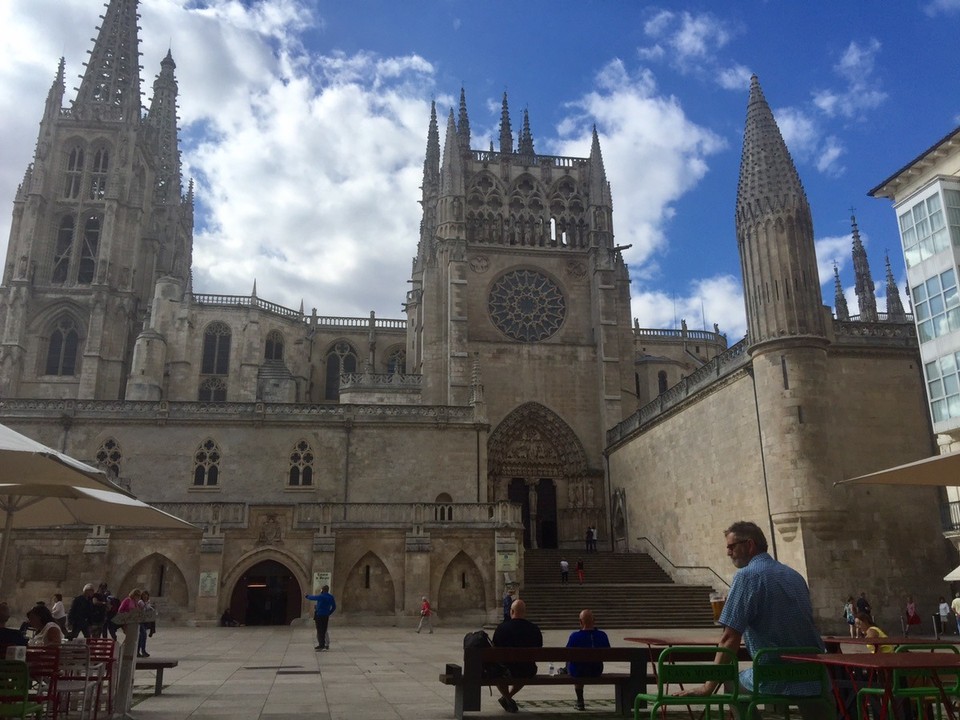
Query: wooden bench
{"x": 469, "y": 679}
{"x": 158, "y": 664}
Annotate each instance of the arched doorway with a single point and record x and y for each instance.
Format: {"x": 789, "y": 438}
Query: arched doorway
{"x": 266, "y": 594}
{"x": 535, "y": 459}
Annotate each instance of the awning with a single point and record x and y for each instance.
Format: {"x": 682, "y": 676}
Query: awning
{"x": 953, "y": 575}
{"x": 941, "y": 470}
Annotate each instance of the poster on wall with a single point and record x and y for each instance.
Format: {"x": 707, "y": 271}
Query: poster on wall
{"x": 507, "y": 561}
{"x": 319, "y": 580}
{"x": 208, "y": 583}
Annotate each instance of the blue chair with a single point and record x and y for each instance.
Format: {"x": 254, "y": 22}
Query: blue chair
{"x": 770, "y": 673}
{"x": 677, "y": 666}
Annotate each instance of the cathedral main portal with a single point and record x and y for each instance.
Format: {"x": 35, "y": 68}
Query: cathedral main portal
{"x": 267, "y": 594}
{"x": 536, "y": 460}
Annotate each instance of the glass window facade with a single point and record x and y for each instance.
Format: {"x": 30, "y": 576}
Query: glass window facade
{"x": 923, "y": 231}
{"x": 936, "y": 306}
{"x": 943, "y": 386}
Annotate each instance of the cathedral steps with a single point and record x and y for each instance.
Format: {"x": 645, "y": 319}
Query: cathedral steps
{"x": 625, "y": 590}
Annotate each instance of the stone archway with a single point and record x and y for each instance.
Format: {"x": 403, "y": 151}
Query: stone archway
{"x": 462, "y": 589}
{"x": 535, "y": 459}
{"x": 163, "y": 579}
{"x": 369, "y": 587}
{"x": 266, "y": 593}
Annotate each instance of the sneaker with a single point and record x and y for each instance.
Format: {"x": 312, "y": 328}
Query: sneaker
{"x": 579, "y": 705}
{"x": 146, "y": 654}
{"x": 508, "y": 704}
{"x": 318, "y": 647}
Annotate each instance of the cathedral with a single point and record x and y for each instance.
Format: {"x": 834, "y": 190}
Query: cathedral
{"x": 515, "y": 405}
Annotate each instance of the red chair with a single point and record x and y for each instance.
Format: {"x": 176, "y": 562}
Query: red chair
{"x": 44, "y": 665}
{"x": 104, "y": 651}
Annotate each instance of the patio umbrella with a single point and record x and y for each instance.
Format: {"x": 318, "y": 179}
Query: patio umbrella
{"x": 41, "y": 487}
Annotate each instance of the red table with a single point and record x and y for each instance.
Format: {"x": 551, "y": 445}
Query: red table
{"x": 833, "y": 642}
{"x": 882, "y": 666}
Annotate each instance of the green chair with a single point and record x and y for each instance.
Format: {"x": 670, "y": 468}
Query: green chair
{"x": 15, "y": 689}
{"x": 687, "y": 665}
{"x": 769, "y": 672}
{"x": 916, "y": 686}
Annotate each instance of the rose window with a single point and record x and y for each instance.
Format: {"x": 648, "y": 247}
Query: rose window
{"x": 526, "y": 306}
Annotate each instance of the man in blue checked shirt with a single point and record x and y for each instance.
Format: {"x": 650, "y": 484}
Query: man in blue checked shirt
{"x": 768, "y": 606}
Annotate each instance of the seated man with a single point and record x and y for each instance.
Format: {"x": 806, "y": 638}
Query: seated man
{"x": 516, "y": 632}
{"x": 587, "y": 636}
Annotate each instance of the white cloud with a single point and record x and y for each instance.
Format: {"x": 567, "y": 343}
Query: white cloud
{"x": 690, "y": 41}
{"x": 828, "y": 157}
{"x": 735, "y": 77}
{"x": 832, "y": 249}
{"x": 862, "y": 91}
{"x": 717, "y": 300}
{"x": 942, "y": 6}
{"x": 647, "y": 142}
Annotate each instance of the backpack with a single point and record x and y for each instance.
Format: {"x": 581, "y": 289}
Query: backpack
{"x": 479, "y": 639}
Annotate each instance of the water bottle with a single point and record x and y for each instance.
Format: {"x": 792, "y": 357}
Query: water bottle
{"x": 552, "y": 670}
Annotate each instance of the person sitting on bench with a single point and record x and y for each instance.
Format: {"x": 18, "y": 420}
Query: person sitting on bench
{"x": 516, "y": 632}
{"x": 587, "y": 636}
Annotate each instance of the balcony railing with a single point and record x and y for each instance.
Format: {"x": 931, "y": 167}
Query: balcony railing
{"x": 950, "y": 516}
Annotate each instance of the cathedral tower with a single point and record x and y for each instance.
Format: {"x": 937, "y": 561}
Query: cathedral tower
{"x": 787, "y": 337}
{"x": 517, "y": 276}
{"x": 98, "y": 218}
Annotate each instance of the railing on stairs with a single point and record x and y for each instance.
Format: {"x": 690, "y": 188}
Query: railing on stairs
{"x": 685, "y": 574}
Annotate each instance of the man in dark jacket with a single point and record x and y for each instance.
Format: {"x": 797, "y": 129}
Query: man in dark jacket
{"x": 516, "y": 632}
{"x": 81, "y": 613}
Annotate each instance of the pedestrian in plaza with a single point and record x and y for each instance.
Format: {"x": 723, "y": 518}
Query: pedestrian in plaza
{"x": 508, "y": 601}
{"x": 911, "y": 616}
{"x": 849, "y": 614}
{"x": 516, "y": 632}
{"x": 863, "y": 605}
{"x": 59, "y": 612}
{"x": 593, "y": 538}
{"x": 944, "y": 610}
{"x": 564, "y": 571}
{"x": 768, "y": 606}
{"x": 81, "y": 613}
{"x": 587, "y": 636}
{"x": 580, "y": 570}
{"x": 145, "y": 627}
{"x": 588, "y": 539}
{"x": 955, "y": 606}
{"x": 425, "y": 614}
{"x": 326, "y": 606}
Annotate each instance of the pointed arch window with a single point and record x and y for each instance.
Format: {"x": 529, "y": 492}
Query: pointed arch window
{"x": 342, "y": 358}
{"x": 662, "y": 382}
{"x": 73, "y": 176}
{"x": 88, "y": 250}
{"x": 397, "y": 361}
{"x": 212, "y": 389}
{"x": 274, "y": 347}
{"x": 109, "y": 457}
{"x": 301, "y": 465}
{"x": 98, "y": 174}
{"x": 63, "y": 347}
{"x": 62, "y": 251}
{"x": 216, "y": 349}
{"x": 206, "y": 468}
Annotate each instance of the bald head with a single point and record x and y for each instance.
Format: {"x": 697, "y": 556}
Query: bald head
{"x": 586, "y": 619}
{"x": 518, "y": 609}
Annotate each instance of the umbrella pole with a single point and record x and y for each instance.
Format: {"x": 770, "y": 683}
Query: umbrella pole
{"x": 5, "y": 545}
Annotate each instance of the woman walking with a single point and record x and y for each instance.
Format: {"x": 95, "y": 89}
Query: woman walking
{"x": 913, "y": 617}
{"x": 425, "y": 614}
{"x": 850, "y": 614}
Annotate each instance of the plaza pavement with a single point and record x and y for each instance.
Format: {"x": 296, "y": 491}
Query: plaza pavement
{"x": 390, "y": 673}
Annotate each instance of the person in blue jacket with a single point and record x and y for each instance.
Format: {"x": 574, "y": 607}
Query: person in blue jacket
{"x": 588, "y": 636}
{"x": 326, "y": 606}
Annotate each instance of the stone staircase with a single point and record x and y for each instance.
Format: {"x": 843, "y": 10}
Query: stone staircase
{"x": 624, "y": 590}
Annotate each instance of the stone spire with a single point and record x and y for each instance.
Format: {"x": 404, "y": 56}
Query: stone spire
{"x": 840, "y": 300}
{"x": 775, "y": 234}
{"x": 55, "y": 94}
{"x": 525, "y": 145}
{"x": 449, "y": 217}
{"x": 895, "y": 311}
{"x": 463, "y": 123}
{"x": 599, "y": 186}
{"x": 506, "y": 133}
{"x": 162, "y": 117}
{"x": 110, "y": 87}
{"x": 431, "y": 161}
{"x": 866, "y": 296}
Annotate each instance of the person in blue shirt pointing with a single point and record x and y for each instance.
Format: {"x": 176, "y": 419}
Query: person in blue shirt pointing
{"x": 326, "y": 606}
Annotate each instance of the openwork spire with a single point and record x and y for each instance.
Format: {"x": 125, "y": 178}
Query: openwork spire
{"x": 506, "y": 132}
{"x": 895, "y": 311}
{"x": 463, "y": 123}
{"x": 163, "y": 119}
{"x": 866, "y": 297}
{"x": 431, "y": 161}
{"x": 110, "y": 86}
{"x": 525, "y": 146}
{"x": 781, "y": 282}
{"x": 840, "y": 300}
{"x": 55, "y": 94}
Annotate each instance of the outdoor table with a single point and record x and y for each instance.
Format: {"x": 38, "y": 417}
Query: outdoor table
{"x": 882, "y": 667}
{"x": 833, "y": 642}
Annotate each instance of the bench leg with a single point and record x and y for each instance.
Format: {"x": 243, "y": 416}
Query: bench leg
{"x": 158, "y": 688}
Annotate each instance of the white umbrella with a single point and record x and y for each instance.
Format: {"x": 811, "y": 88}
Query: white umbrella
{"x": 41, "y": 487}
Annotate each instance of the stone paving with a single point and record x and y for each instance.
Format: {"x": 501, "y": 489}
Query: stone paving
{"x": 273, "y": 673}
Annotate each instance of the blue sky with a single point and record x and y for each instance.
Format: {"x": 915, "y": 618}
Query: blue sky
{"x": 304, "y": 125}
